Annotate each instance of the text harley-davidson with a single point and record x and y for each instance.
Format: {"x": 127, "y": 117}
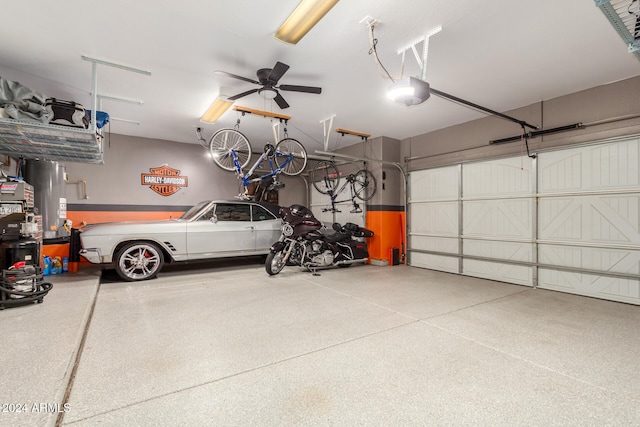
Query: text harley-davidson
{"x": 304, "y": 243}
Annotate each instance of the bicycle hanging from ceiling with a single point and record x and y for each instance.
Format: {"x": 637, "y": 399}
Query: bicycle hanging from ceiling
{"x": 231, "y": 151}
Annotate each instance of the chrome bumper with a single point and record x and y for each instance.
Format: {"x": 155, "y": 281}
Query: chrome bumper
{"x": 92, "y": 255}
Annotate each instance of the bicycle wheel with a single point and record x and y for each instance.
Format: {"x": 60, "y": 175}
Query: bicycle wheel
{"x": 364, "y": 185}
{"x": 223, "y": 142}
{"x": 325, "y": 177}
{"x": 290, "y": 146}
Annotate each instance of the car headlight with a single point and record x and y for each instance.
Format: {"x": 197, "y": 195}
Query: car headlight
{"x": 287, "y": 229}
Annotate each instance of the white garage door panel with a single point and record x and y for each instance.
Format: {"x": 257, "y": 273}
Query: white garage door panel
{"x": 510, "y": 176}
{"x": 599, "y": 167}
{"x": 600, "y": 219}
{"x": 624, "y": 290}
{"x": 601, "y": 259}
{"x": 434, "y": 218}
{"x": 436, "y": 244}
{"x": 510, "y": 218}
{"x": 434, "y": 262}
{"x": 432, "y": 184}
{"x": 517, "y": 274}
{"x": 513, "y": 251}
{"x": 590, "y": 220}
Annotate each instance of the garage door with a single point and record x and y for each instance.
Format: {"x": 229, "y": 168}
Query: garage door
{"x": 568, "y": 220}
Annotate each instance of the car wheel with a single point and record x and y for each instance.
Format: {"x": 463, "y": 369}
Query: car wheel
{"x": 139, "y": 261}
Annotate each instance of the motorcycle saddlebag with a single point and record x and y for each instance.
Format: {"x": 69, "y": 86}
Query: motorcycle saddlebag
{"x": 356, "y": 230}
{"x": 68, "y": 113}
{"x": 359, "y": 250}
{"x": 363, "y": 232}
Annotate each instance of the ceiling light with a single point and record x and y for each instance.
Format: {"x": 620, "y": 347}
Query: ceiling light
{"x": 217, "y": 109}
{"x": 302, "y": 19}
{"x": 267, "y": 93}
{"x": 409, "y": 91}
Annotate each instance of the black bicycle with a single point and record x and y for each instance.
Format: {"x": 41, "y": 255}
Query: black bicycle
{"x": 326, "y": 178}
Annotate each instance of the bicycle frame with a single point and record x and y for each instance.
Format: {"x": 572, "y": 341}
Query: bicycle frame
{"x": 246, "y": 178}
{"x": 333, "y": 195}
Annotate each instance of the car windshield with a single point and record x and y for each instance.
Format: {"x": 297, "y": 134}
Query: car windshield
{"x": 194, "y": 211}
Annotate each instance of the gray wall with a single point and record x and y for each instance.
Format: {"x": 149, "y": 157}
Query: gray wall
{"x": 470, "y": 141}
{"x": 118, "y": 180}
{"x": 383, "y": 149}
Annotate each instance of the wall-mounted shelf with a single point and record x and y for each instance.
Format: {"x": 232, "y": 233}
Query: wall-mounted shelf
{"x": 33, "y": 140}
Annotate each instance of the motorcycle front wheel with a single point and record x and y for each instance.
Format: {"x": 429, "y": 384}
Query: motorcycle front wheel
{"x": 275, "y": 262}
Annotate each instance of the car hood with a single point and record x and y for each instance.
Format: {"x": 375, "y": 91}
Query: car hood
{"x": 129, "y": 226}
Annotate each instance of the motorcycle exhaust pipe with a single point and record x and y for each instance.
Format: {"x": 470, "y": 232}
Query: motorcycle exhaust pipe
{"x": 351, "y": 261}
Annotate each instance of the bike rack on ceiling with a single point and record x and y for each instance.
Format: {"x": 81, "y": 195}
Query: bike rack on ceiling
{"x": 281, "y": 118}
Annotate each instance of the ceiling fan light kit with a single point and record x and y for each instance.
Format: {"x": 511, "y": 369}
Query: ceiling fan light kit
{"x": 409, "y": 91}
{"x": 217, "y": 109}
{"x": 267, "y": 93}
{"x": 305, "y": 16}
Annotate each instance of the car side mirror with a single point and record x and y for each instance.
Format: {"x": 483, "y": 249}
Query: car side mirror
{"x": 214, "y": 218}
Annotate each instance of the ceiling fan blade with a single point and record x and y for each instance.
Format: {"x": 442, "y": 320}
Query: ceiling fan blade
{"x": 281, "y": 102}
{"x": 224, "y": 73}
{"x": 306, "y": 89}
{"x": 277, "y": 72}
{"x": 240, "y": 95}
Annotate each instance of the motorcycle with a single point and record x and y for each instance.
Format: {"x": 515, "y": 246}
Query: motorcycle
{"x": 306, "y": 243}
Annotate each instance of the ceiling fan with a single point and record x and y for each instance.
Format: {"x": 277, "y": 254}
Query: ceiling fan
{"x": 268, "y": 79}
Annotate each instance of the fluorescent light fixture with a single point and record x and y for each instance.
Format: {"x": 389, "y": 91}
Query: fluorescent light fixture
{"x": 303, "y": 19}
{"x": 217, "y": 109}
{"x": 409, "y": 91}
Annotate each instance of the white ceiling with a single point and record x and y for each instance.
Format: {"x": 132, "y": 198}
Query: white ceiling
{"x": 501, "y": 54}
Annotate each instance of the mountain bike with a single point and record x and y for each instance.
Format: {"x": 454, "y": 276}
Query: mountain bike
{"x": 231, "y": 151}
{"x": 326, "y": 177}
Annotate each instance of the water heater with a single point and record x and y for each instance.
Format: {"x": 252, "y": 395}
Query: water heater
{"x": 47, "y": 178}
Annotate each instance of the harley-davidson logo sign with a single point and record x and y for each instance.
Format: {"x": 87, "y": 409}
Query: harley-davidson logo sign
{"x": 164, "y": 180}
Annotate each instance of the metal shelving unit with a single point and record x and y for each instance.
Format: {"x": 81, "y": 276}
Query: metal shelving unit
{"x": 33, "y": 140}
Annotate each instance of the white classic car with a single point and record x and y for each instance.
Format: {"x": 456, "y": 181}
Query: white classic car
{"x": 210, "y": 229}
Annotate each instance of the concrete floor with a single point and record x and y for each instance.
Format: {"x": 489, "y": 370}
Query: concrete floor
{"x": 228, "y": 345}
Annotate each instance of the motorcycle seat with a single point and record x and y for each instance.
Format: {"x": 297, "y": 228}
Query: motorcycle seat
{"x": 335, "y": 236}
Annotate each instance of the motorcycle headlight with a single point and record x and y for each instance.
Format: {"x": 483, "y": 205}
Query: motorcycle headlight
{"x": 287, "y": 230}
